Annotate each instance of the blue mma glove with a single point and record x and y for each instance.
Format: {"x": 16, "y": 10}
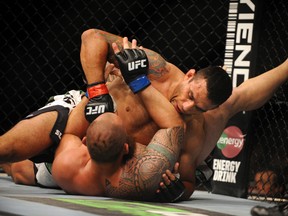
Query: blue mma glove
{"x": 99, "y": 101}
{"x": 134, "y": 65}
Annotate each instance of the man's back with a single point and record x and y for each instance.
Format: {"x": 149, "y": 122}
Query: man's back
{"x": 137, "y": 178}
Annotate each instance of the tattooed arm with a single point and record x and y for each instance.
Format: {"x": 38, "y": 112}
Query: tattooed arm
{"x": 141, "y": 174}
{"x": 96, "y": 50}
{"x": 146, "y": 167}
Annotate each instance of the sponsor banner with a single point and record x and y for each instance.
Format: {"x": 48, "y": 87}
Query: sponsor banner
{"x": 231, "y": 155}
{"x": 230, "y": 163}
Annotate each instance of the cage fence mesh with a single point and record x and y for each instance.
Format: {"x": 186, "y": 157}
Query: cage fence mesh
{"x": 269, "y": 159}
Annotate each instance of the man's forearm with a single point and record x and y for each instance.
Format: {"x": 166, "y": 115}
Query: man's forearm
{"x": 255, "y": 92}
{"x": 93, "y": 56}
{"x": 160, "y": 109}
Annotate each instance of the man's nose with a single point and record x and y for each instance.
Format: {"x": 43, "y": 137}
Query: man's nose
{"x": 188, "y": 105}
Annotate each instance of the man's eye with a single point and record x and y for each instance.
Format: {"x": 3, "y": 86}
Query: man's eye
{"x": 191, "y": 97}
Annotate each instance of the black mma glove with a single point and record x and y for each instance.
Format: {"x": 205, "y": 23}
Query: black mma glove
{"x": 99, "y": 101}
{"x": 204, "y": 175}
{"x": 134, "y": 65}
{"x": 172, "y": 192}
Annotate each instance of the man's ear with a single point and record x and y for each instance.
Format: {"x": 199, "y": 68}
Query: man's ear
{"x": 84, "y": 140}
{"x": 190, "y": 74}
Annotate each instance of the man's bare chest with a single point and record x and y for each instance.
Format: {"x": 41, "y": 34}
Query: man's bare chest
{"x": 137, "y": 120}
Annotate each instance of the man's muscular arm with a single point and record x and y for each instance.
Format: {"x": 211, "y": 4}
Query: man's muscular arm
{"x": 160, "y": 155}
{"x": 96, "y": 50}
{"x": 158, "y": 66}
{"x": 160, "y": 109}
{"x": 166, "y": 144}
{"x": 255, "y": 92}
{"x": 93, "y": 57}
{"x": 143, "y": 172}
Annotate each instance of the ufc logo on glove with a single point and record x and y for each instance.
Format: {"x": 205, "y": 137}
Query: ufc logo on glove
{"x": 136, "y": 64}
{"x": 95, "y": 110}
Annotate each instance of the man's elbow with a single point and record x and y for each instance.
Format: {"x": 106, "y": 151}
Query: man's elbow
{"x": 91, "y": 34}
{"x": 189, "y": 190}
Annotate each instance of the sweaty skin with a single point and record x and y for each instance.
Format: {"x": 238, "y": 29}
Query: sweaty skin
{"x": 137, "y": 179}
{"x": 115, "y": 166}
{"x": 202, "y": 129}
{"x": 134, "y": 178}
{"x": 188, "y": 98}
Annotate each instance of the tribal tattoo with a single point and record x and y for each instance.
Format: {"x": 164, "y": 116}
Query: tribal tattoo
{"x": 141, "y": 174}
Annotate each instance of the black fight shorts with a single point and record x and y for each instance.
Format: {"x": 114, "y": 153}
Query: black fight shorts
{"x": 55, "y": 134}
{"x": 63, "y": 105}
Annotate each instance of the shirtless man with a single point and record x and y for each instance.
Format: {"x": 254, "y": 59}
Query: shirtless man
{"x": 186, "y": 93}
{"x": 114, "y": 165}
{"x": 248, "y": 96}
{"x": 37, "y": 136}
{"x": 138, "y": 122}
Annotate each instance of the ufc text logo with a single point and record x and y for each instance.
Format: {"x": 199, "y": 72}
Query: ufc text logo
{"x": 58, "y": 134}
{"x": 136, "y": 64}
{"x": 95, "y": 110}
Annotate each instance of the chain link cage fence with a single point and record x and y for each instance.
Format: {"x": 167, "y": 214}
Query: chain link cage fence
{"x": 269, "y": 159}
{"x": 40, "y": 46}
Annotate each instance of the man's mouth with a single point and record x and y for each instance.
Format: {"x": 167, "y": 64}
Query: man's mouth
{"x": 175, "y": 105}
{"x": 177, "y": 108}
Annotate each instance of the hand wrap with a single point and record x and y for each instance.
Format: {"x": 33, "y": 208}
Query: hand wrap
{"x": 99, "y": 101}
{"x": 134, "y": 66}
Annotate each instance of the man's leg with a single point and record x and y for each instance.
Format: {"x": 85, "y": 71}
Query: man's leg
{"x": 6, "y": 168}
{"x": 23, "y": 172}
{"x": 27, "y": 138}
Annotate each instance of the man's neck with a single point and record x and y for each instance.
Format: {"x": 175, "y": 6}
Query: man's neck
{"x": 106, "y": 169}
